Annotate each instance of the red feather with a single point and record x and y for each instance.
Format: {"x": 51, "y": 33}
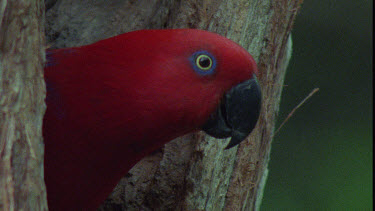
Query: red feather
{"x": 111, "y": 103}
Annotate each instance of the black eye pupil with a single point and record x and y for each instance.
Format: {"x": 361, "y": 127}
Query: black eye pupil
{"x": 204, "y": 62}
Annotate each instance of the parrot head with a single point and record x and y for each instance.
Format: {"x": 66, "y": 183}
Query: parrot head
{"x": 232, "y": 71}
{"x": 183, "y": 79}
{"x": 213, "y": 81}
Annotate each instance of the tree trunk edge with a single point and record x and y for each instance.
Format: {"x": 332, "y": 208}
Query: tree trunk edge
{"x": 263, "y": 179}
{"x": 253, "y": 155}
{"x": 22, "y": 93}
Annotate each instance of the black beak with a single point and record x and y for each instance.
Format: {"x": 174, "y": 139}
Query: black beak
{"x": 237, "y": 114}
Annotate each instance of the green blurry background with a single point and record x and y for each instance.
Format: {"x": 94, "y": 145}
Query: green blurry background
{"x": 322, "y": 158}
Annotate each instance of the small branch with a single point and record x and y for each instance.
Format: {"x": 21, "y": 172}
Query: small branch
{"x": 295, "y": 109}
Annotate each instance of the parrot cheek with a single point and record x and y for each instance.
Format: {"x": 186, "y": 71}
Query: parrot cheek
{"x": 237, "y": 114}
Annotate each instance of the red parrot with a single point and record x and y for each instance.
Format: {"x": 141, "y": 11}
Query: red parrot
{"x": 111, "y": 103}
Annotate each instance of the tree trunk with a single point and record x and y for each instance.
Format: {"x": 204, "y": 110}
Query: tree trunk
{"x": 22, "y": 93}
{"x": 193, "y": 172}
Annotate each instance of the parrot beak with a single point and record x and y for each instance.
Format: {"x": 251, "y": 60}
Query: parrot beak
{"x": 237, "y": 114}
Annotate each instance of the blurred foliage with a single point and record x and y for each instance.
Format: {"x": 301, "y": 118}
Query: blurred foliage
{"x": 322, "y": 158}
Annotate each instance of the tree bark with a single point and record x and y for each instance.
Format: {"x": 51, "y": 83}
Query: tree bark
{"x": 193, "y": 172}
{"x": 22, "y": 93}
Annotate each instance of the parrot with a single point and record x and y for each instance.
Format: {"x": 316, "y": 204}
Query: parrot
{"x": 113, "y": 102}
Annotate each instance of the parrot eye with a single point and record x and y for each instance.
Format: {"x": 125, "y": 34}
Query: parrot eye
{"x": 203, "y": 63}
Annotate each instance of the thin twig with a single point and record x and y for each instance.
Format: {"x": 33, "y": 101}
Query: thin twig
{"x": 295, "y": 108}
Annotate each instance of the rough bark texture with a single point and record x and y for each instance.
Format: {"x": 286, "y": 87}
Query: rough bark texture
{"x": 192, "y": 172}
{"x": 22, "y": 93}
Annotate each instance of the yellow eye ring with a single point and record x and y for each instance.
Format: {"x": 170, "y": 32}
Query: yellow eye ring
{"x": 204, "y": 62}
